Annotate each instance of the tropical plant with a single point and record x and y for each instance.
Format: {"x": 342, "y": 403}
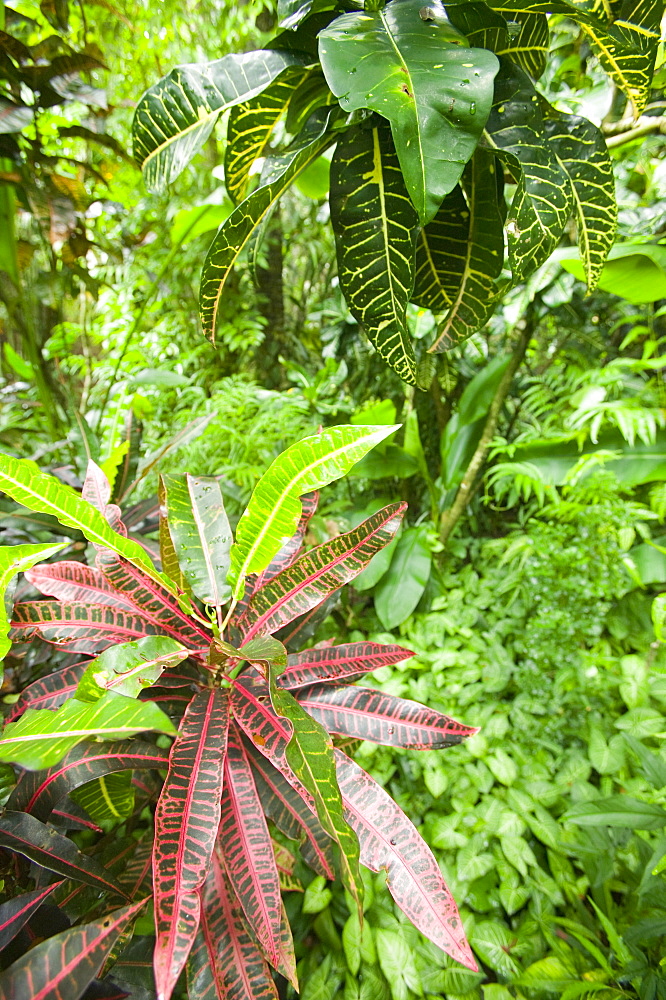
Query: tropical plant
{"x": 251, "y": 721}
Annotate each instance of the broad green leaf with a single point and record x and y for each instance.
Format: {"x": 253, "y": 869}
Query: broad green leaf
{"x": 201, "y": 535}
{"x": 384, "y": 60}
{"x": 375, "y": 225}
{"x": 401, "y": 588}
{"x": 129, "y": 667}
{"x": 175, "y": 117}
{"x": 189, "y": 223}
{"x": 583, "y": 156}
{"x": 274, "y": 509}
{"x": 543, "y": 199}
{"x": 617, "y": 810}
{"x": 476, "y": 294}
{"x": 441, "y": 254}
{"x": 251, "y": 125}
{"x": 634, "y": 271}
{"x": 41, "y": 738}
{"x": 22, "y": 480}
{"x": 279, "y": 172}
{"x": 17, "y": 559}
{"x": 530, "y": 48}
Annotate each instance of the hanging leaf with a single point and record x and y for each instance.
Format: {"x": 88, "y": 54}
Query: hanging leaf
{"x": 384, "y": 60}
{"x": 375, "y": 224}
{"x": 17, "y": 559}
{"x": 175, "y": 117}
{"x": 16, "y": 912}
{"x": 50, "y": 691}
{"x": 81, "y": 628}
{"x": 441, "y": 253}
{"x": 130, "y": 667}
{"x": 530, "y": 48}
{"x": 77, "y": 583}
{"x": 338, "y": 664}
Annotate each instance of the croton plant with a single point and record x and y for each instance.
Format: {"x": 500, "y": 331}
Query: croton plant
{"x": 240, "y": 746}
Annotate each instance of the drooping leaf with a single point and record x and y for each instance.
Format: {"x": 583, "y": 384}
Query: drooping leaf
{"x": 175, "y": 117}
{"x": 318, "y": 573}
{"x": 384, "y": 60}
{"x": 24, "y": 834}
{"x": 201, "y": 534}
{"x": 108, "y": 798}
{"x": 17, "y": 559}
{"x": 441, "y": 252}
{"x": 401, "y": 587}
{"x": 130, "y": 667}
{"x": 234, "y": 234}
{"x": 530, "y": 47}
{"x": 338, "y": 664}
{"x": 81, "y": 628}
{"x": 41, "y": 738}
{"x": 391, "y": 843}
{"x": 50, "y": 691}
{"x": 275, "y": 509}
{"x": 375, "y": 226}
{"x": 77, "y": 583}
{"x": 476, "y": 294}
{"x": 17, "y": 911}
{"x": 64, "y": 965}
{"x": 186, "y": 823}
{"x": 583, "y": 156}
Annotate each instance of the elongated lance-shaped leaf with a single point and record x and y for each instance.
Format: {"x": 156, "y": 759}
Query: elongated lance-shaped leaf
{"x": 186, "y": 822}
{"x": 109, "y": 797}
{"x": 62, "y": 967}
{"x": 245, "y": 844}
{"x": 384, "y": 60}
{"x": 81, "y": 628}
{"x": 313, "y": 93}
{"x": 375, "y": 227}
{"x": 286, "y": 808}
{"x": 50, "y": 691}
{"x": 175, "y": 117}
{"x": 476, "y": 296}
{"x": 26, "y": 835}
{"x": 318, "y": 573}
{"x": 390, "y": 842}
{"x": 530, "y": 48}
{"x": 339, "y": 664}
{"x": 41, "y": 738}
{"x": 17, "y": 559}
{"x": 366, "y": 714}
{"x": 77, "y": 583}
{"x": 130, "y": 667}
{"x": 22, "y": 480}
{"x": 480, "y": 25}
{"x": 235, "y": 232}
{"x": 581, "y": 151}
{"x": 16, "y": 912}
{"x": 274, "y": 510}
{"x": 441, "y": 254}
{"x": 251, "y": 125}
{"x": 201, "y": 534}
{"x": 97, "y": 491}
{"x": 291, "y": 548}
{"x": 38, "y": 792}
{"x": 168, "y": 556}
{"x": 225, "y": 962}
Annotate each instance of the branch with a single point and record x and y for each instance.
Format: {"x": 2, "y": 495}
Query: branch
{"x": 645, "y": 127}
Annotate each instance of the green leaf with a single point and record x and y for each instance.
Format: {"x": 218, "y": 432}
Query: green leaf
{"x": 384, "y": 60}
{"x": 175, "y": 117}
{"x": 274, "y": 509}
{"x": 107, "y": 799}
{"x": 317, "y": 896}
{"x": 476, "y": 294}
{"x": 480, "y": 25}
{"x": 279, "y": 172}
{"x": 22, "y": 480}
{"x": 17, "y": 559}
{"x": 375, "y": 225}
{"x": 441, "y": 252}
{"x": 617, "y": 810}
{"x": 635, "y": 271}
{"x": 401, "y": 588}
{"x": 129, "y": 667}
{"x": 396, "y": 961}
{"x": 201, "y": 535}
{"x": 41, "y": 737}
{"x": 530, "y": 47}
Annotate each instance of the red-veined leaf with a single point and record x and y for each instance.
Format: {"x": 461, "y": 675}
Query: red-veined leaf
{"x": 24, "y": 834}
{"x": 70, "y": 816}
{"x": 338, "y": 663}
{"x": 97, "y": 491}
{"x": 50, "y": 691}
{"x": 225, "y": 962}
{"x": 246, "y": 847}
{"x": 251, "y": 708}
{"x": 74, "y": 582}
{"x": 16, "y": 912}
{"x": 81, "y": 628}
{"x": 186, "y": 823}
{"x": 301, "y": 630}
{"x": 367, "y": 714}
{"x": 37, "y": 792}
{"x": 318, "y": 573}
{"x": 390, "y": 842}
{"x": 61, "y": 967}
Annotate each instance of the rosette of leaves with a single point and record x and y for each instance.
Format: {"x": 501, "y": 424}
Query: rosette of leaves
{"x": 429, "y": 109}
{"x": 208, "y": 650}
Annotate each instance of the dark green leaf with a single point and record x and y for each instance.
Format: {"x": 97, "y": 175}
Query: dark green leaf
{"x": 530, "y": 48}
{"x": 441, "y": 254}
{"x": 400, "y": 589}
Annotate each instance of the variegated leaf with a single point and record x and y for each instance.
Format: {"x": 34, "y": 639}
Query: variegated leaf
{"x": 81, "y": 628}
{"x": 130, "y": 667}
{"x": 367, "y": 714}
{"x": 17, "y": 911}
{"x": 50, "y": 691}
{"x": 17, "y": 559}
{"x": 75, "y": 582}
{"x": 441, "y": 254}
{"x": 186, "y": 822}
{"x": 168, "y": 556}
{"x": 375, "y": 227}
{"x": 291, "y": 548}
{"x": 530, "y": 48}
{"x": 338, "y": 664}
{"x": 480, "y": 25}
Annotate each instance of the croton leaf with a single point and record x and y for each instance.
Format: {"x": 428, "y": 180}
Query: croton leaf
{"x": 201, "y": 534}
{"x": 476, "y": 295}
{"x": 530, "y": 47}
{"x": 168, "y": 556}
{"x": 291, "y": 548}
{"x": 17, "y": 559}
{"x": 108, "y": 798}
{"x": 50, "y": 691}
{"x": 383, "y": 60}
{"x": 13, "y": 117}
{"x": 186, "y": 823}
{"x": 275, "y": 509}
{"x": 339, "y": 664}
{"x": 130, "y": 667}
{"x": 480, "y": 25}
{"x": 41, "y": 737}
{"x": 278, "y": 174}
{"x": 81, "y": 628}
{"x": 441, "y": 254}
{"x": 375, "y": 227}
{"x": 76, "y": 582}
{"x": 65, "y": 964}
{"x": 16, "y": 912}
{"x": 175, "y": 117}
{"x": 318, "y": 573}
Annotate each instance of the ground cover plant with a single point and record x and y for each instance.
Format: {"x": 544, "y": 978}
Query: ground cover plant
{"x": 199, "y": 652}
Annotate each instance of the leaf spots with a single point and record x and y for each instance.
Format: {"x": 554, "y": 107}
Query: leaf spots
{"x": 405, "y": 89}
{"x": 259, "y": 739}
